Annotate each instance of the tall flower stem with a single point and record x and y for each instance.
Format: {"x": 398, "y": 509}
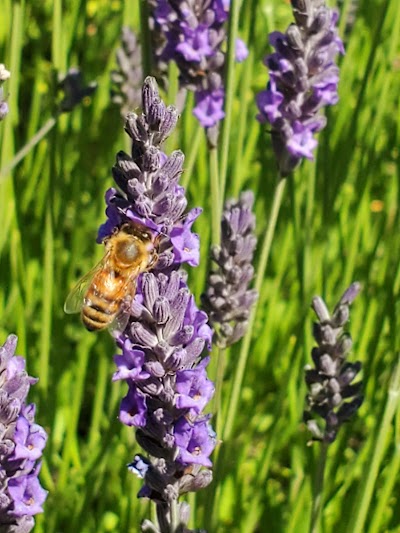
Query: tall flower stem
{"x": 357, "y": 524}
{"x": 244, "y": 352}
{"x": 19, "y": 156}
{"x": 191, "y": 155}
{"x": 174, "y": 516}
{"x": 318, "y": 490}
{"x": 221, "y": 359}
{"x": 215, "y": 197}
{"x": 307, "y": 244}
{"x": 229, "y": 84}
{"x": 145, "y": 40}
{"x": 230, "y": 411}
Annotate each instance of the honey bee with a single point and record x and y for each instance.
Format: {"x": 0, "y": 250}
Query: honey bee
{"x": 99, "y": 295}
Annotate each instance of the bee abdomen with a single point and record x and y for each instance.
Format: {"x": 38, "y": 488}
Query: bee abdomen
{"x": 98, "y": 312}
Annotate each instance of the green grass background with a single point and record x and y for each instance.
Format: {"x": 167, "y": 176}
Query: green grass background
{"x": 339, "y": 222}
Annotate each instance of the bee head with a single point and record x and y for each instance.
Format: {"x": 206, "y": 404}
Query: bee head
{"x": 140, "y": 232}
{"x": 126, "y": 250}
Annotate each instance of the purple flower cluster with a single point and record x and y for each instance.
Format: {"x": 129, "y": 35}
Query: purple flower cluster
{"x": 228, "y": 299}
{"x": 21, "y": 445}
{"x": 194, "y": 33}
{"x": 4, "y": 75}
{"x": 168, "y": 386}
{"x": 162, "y": 344}
{"x": 303, "y": 79}
{"x": 332, "y": 397}
{"x": 127, "y": 80}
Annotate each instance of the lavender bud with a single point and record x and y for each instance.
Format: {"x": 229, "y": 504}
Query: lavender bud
{"x": 329, "y": 383}
{"x": 228, "y": 300}
{"x": 127, "y": 80}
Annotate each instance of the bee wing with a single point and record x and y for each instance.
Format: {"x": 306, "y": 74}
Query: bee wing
{"x": 120, "y": 322}
{"x": 74, "y": 301}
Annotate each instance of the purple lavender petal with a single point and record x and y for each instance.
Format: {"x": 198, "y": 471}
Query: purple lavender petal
{"x": 195, "y": 442}
{"x": 133, "y": 408}
{"x": 209, "y": 108}
{"x": 130, "y": 364}
{"x": 30, "y": 440}
{"x": 241, "y": 51}
{"x": 193, "y": 388}
{"x": 27, "y": 494}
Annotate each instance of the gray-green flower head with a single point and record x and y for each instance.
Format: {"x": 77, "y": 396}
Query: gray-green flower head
{"x": 228, "y": 299}
{"x": 332, "y": 398}
{"x": 128, "y": 78}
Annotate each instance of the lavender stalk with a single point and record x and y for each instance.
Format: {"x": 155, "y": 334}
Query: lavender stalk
{"x": 21, "y": 445}
{"x": 194, "y": 34}
{"x": 228, "y": 300}
{"x": 332, "y": 399}
{"x": 303, "y": 80}
{"x": 163, "y": 342}
{"x": 127, "y": 79}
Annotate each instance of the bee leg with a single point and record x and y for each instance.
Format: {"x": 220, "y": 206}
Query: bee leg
{"x": 126, "y": 303}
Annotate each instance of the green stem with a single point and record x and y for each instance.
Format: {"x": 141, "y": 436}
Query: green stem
{"x": 192, "y": 154}
{"x": 229, "y": 90}
{"x": 238, "y": 167}
{"x": 19, "y": 156}
{"x": 146, "y": 38}
{"x": 215, "y": 197}
{"x": 174, "y": 516}
{"x": 244, "y": 352}
{"x": 221, "y": 358}
{"x": 306, "y": 248}
{"x": 385, "y": 494}
{"x": 367, "y": 484}
{"x": 318, "y": 490}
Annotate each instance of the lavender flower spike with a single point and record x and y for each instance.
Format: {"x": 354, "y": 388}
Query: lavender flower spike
{"x": 21, "y": 445}
{"x": 163, "y": 343}
{"x": 330, "y": 381}
{"x": 228, "y": 300}
{"x": 303, "y": 79}
{"x": 4, "y": 75}
{"x": 194, "y": 34}
{"x": 127, "y": 80}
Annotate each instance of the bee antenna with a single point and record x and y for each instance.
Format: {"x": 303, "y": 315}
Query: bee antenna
{"x": 160, "y": 233}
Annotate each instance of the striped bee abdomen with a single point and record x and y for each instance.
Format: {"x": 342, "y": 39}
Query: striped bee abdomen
{"x": 98, "y": 310}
